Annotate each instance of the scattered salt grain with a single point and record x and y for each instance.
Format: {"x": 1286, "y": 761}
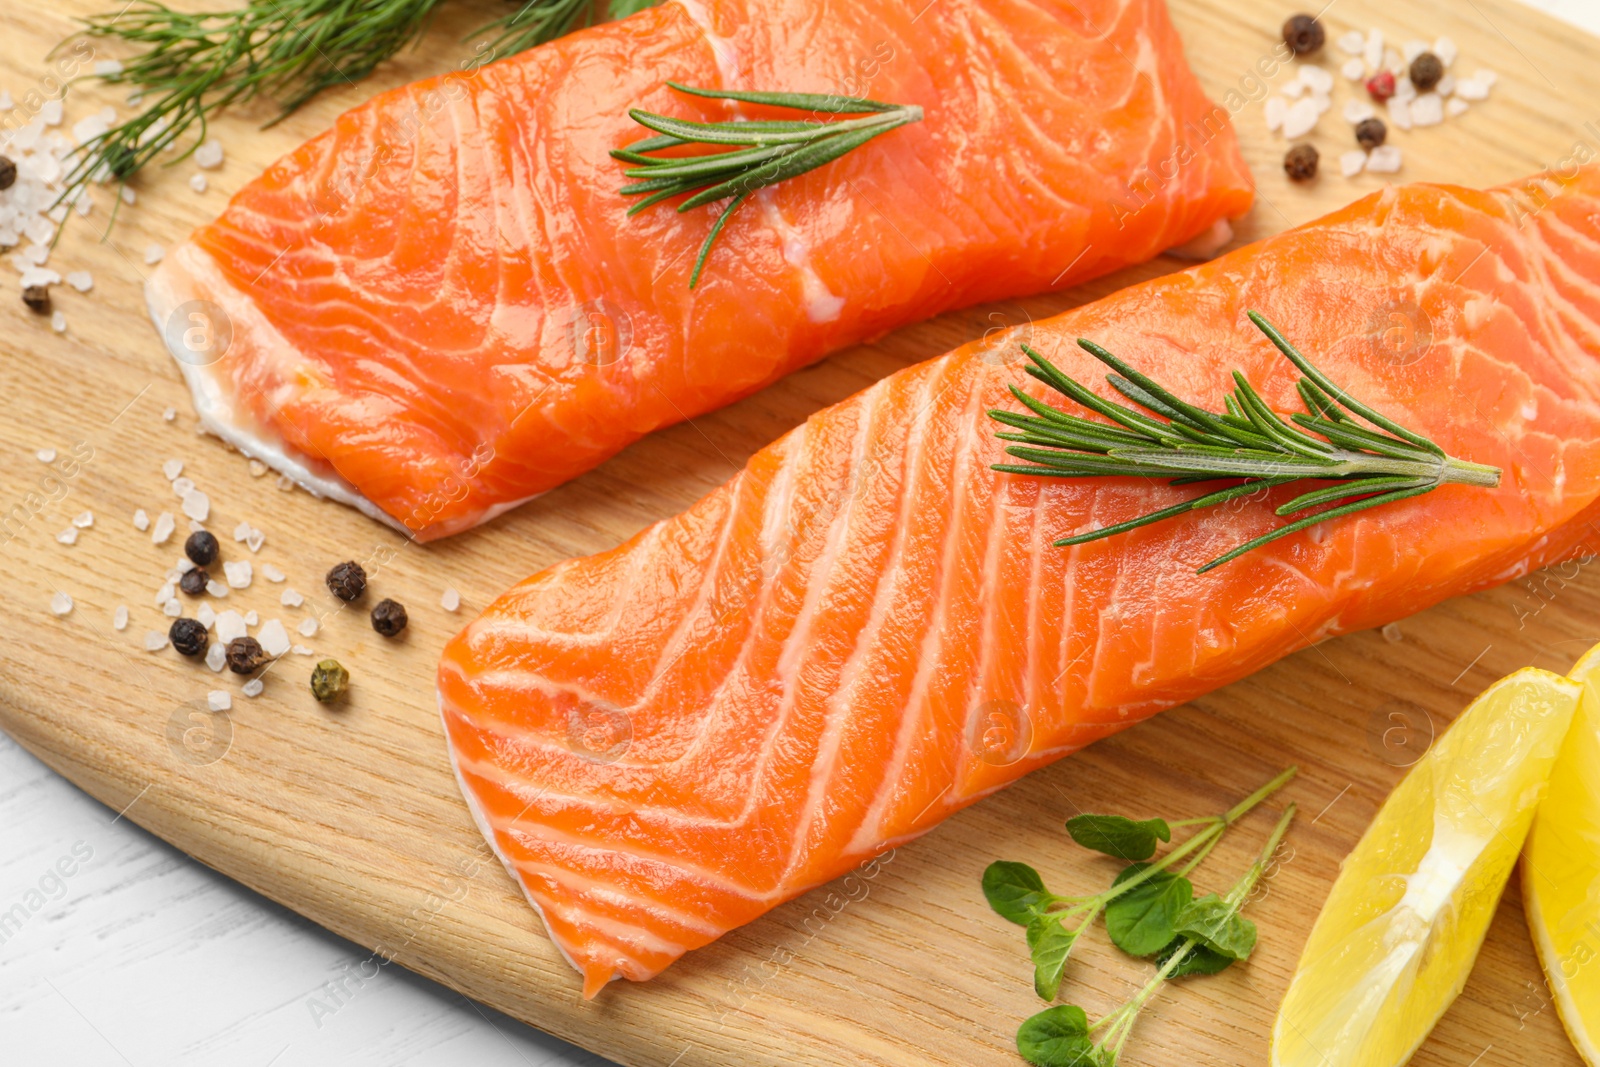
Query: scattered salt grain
{"x": 45, "y": 455}
{"x": 53, "y": 112}
{"x": 251, "y": 618}
{"x": 153, "y": 252}
{"x": 271, "y": 573}
{"x": 238, "y": 573}
{"x": 80, "y": 280}
{"x": 216, "y": 588}
{"x": 1358, "y": 111}
{"x": 291, "y": 599}
{"x": 1485, "y": 77}
{"x": 172, "y": 468}
{"x": 216, "y": 656}
{"x": 182, "y": 487}
{"x": 1445, "y": 49}
{"x": 285, "y": 482}
{"x": 119, "y": 618}
{"x": 197, "y": 505}
{"x": 308, "y": 626}
{"x": 58, "y": 321}
{"x": 257, "y": 468}
{"x": 1316, "y": 79}
{"x": 1352, "y": 163}
{"x": 69, "y": 536}
{"x": 197, "y": 182}
{"x": 1353, "y": 43}
{"x": 1427, "y": 110}
{"x": 165, "y": 524}
{"x": 1385, "y": 159}
{"x": 1413, "y": 49}
{"x": 1300, "y": 119}
{"x": 154, "y": 640}
{"x": 302, "y": 650}
{"x": 84, "y": 521}
{"x": 255, "y": 540}
{"x": 141, "y": 521}
{"x": 451, "y": 601}
{"x": 230, "y": 625}
{"x": 1446, "y": 86}
{"x": 1294, "y": 90}
{"x": 1405, "y": 90}
{"x": 183, "y": 566}
{"x": 219, "y": 700}
{"x": 128, "y": 197}
{"x": 209, "y": 155}
{"x": 1399, "y": 114}
{"x": 1392, "y": 634}
{"x": 241, "y": 531}
{"x": 205, "y": 615}
{"x": 274, "y": 638}
{"x": 1372, "y": 52}
{"x": 1353, "y": 69}
{"x": 172, "y": 609}
{"x": 170, "y": 414}
{"x": 1277, "y": 107}
{"x": 1472, "y": 88}
{"x": 60, "y": 604}
{"x": 166, "y": 593}
{"x": 1455, "y": 108}
{"x": 253, "y": 687}
{"x": 1323, "y": 101}
{"x": 107, "y": 68}
{"x": 1392, "y": 60}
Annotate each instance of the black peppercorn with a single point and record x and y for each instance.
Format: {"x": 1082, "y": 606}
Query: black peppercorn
{"x": 347, "y": 580}
{"x": 37, "y": 297}
{"x": 389, "y": 617}
{"x": 201, "y": 547}
{"x": 1303, "y": 34}
{"x": 8, "y": 173}
{"x": 194, "y": 582}
{"x": 188, "y": 636}
{"x": 1426, "y": 70}
{"x": 244, "y": 655}
{"x": 1301, "y": 163}
{"x": 329, "y": 681}
{"x": 1370, "y": 133}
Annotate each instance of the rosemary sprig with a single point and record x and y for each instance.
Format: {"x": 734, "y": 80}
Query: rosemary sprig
{"x": 1247, "y": 443}
{"x": 757, "y": 153}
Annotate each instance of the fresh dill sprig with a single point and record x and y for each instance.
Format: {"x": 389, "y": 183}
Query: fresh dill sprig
{"x": 1248, "y": 443}
{"x": 537, "y": 21}
{"x": 757, "y": 153}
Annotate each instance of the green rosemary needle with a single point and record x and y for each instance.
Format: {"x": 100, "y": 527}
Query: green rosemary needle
{"x": 1247, "y": 443}
{"x": 756, "y": 154}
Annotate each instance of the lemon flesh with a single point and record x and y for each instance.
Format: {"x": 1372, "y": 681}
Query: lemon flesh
{"x": 1561, "y": 871}
{"x": 1399, "y": 932}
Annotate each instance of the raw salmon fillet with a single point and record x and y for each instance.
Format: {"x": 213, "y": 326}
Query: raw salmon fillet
{"x": 438, "y": 308}
{"x": 868, "y": 628}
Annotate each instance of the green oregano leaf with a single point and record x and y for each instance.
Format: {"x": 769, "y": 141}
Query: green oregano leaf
{"x": 1119, "y": 836}
{"x": 1217, "y": 925}
{"x": 1058, "y": 1037}
{"x": 1200, "y": 960}
{"x": 1015, "y": 891}
{"x": 1143, "y": 920}
{"x": 1049, "y": 945}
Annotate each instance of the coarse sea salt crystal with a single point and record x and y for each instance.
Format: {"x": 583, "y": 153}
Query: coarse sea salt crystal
{"x": 1471, "y": 89}
{"x": 1427, "y": 110}
{"x": 167, "y": 591}
{"x": 1399, "y": 114}
{"x": 197, "y": 505}
{"x": 230, "y": 625}
{"x": 53, "y": 112}
{"x": 1413, "y": 49}
{"x": 119, "y": 618}
{"x": 84, "y": 520}
{"x": 80, "y": 280}
{"x": 1358, "y": 111}
{"x": 271, "y": 573}
{"x": 197, "y": 182}
{"x": 172, "y": 468}
{"x": 1352, "y": 42}
{"x": 1372, "y": 51}
{"x": 1446, "y": 86}
{"x": 1385, "y": 159}
{"x": 216, "y": 588}
{"x": 1277, "y": 107}
{"x": 107, "y": 68}
{"x": 241, "y": 531}
{"x": 58, "y": 321}
{"x": 219, "y": 700}
{"x": 45, "y": 455}
{"x": 154, "y": 640}
{"x": 1316, "y": 79}
{"x": 172, "y": 609}
{"x": 308, "y": 626}
{"x": 60, "y": 604}
{"x": 274, "y": 638}
{"x": 251, "y": 618}
{"x": 205, "y": 615}
{"x": 1294, "y": 90}
{"x": 165, "y": 524}
{"x": 141, "y": 521}
{"x": 302, "y": 650}
{"x": 238, "y": 572}
{"x": 1301, "y": 118}
{"x": 1392, "y": 60}
{"x": 451, "y": 601}
{"x": 1445, "y": 49}
{"x": 1456, "y": 107}
{"x": 153, "y": 252}
{"x": 1405, "y": 90}
{"x": 253, "y": 687}
{"x": 209, "y": 155}
{"x": 170, "y": 414}
{"x": 69, "y": 536}
{"x": 1323, "y": 101}
{"x": 216, "y": 656}
{"x": 291, "y": 599}
{"x": 128, "y": 197}
{"x": 255, "y": 540}
{"x": 1353, "y": 69}
{"x": 184, "y": 566}
{"x": 182, "y": 487}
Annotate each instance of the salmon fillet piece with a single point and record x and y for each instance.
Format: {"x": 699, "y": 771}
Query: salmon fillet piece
{"x": 868, "y": 628}
{"x": 438, "y": 309}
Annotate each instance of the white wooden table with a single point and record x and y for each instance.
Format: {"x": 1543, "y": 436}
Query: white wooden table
{"x": 169, "y": 963}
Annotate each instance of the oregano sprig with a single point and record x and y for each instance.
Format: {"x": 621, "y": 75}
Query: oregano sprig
{"x": 1247, "y": 444}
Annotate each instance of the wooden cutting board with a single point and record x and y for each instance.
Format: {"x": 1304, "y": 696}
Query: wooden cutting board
{"x": 352, "y": 817}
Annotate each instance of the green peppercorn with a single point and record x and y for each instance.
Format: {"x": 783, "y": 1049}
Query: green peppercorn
{"x": 202, "y": 548}
{"x": 245, "y": 655}
{"x": 1304, "y": 35}
{"x": 188, "y": 636}
{"x": 329, "y": 681}
{"x": 347, "y": 580}
{"x": 1426, "y": 70}
{"x": 194, "y": 582}
{"x": 389, "y": 617}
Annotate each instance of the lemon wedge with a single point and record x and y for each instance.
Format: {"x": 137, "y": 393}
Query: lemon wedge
{"x": 1561, "y": 871}
{"x": 1400, "y": 930}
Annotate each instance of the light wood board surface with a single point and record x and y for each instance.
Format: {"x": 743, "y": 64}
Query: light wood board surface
{"x": 353, "y": 819}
